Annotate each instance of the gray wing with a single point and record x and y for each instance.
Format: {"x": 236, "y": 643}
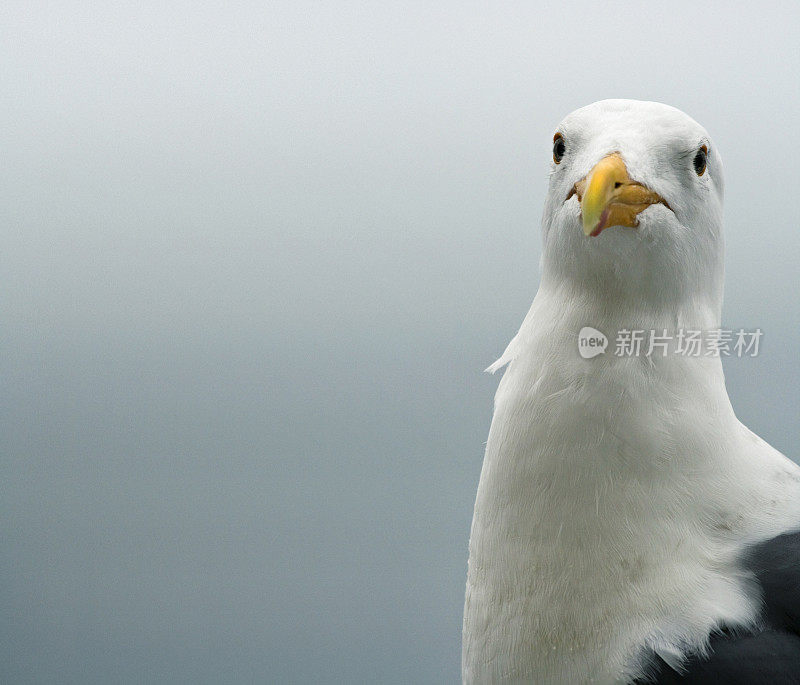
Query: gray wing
{"x": 771, "y": 655}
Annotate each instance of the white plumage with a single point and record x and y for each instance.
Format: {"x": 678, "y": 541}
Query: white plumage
{"x": 618, "y": 493}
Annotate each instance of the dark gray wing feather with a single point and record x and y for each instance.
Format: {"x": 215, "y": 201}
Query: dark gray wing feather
{"x": 770, "y": 656}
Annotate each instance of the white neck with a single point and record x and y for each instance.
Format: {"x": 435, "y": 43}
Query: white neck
{"x": 585, "y": 548}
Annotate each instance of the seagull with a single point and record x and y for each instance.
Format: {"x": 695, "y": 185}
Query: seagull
{"x": 627, "y": 527}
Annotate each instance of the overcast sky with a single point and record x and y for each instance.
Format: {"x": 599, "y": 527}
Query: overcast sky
{"x": 253, "y": 263}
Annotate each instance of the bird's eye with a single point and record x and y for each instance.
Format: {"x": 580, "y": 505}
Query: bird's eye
{"x": 559, "y": 148}
{"x": 700, "y": 160}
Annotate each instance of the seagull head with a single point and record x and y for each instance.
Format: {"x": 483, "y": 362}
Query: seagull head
{"x": 634, "y": 206}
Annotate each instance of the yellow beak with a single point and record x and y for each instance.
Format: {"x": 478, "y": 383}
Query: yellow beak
{"x": 609, "y": 197}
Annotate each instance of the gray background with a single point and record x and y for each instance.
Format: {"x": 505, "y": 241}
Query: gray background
{"x": 253, "y": 262}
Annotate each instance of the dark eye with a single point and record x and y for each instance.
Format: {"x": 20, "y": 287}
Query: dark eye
{"x": 700, "y": 160}
{"x": 559, "y": 148}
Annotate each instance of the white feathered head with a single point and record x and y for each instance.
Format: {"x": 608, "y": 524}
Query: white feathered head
{"x": 634, "y": 207}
